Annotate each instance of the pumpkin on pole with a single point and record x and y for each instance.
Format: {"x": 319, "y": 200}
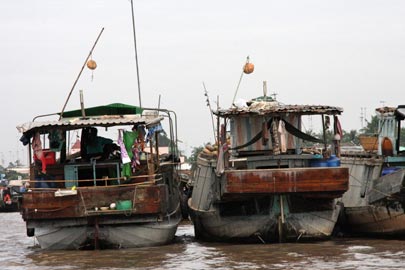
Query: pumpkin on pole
{"x": 91, "y": 64}
{"x": 247, "y": 69}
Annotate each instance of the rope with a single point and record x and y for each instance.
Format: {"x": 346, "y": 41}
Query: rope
{"x": 174, "y": 211}
{"x": 289, "y": 127}
{"x": 84, "y": 204}
{"x": 49, "y": 210}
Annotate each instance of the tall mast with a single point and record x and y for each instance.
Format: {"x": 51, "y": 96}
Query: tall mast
{"x": 136, "y": 54}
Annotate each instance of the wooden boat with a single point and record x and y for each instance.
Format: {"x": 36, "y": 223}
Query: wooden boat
{"x": 261, "y": 185}
{"x": 10, "y": 192}
{"x": 373, "y": 205}
{"x": 106, "y": 195}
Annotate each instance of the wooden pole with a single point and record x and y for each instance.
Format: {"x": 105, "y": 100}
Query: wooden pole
{"x": 80, "y": 73}
{"x": 209, "y": 106}
{"x": 136, "y": 54}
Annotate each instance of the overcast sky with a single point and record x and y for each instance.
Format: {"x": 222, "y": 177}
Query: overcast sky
{"x": 342, "y": 53}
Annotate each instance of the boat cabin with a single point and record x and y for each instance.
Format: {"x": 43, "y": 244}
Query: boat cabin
{"x": 267, "y": 134}
{"x": 391, "y": 136}
{"x": 100, "y": 146}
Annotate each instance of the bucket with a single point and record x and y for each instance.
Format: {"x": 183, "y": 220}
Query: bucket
{"x": 389, "y": 170}
{"x": 124, "y": 205}
{"x": 333, "y": 161}
{"x": 319, "y": 163}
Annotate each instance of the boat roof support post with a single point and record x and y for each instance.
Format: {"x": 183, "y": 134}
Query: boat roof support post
{"x": 150, "y": 161}
{"x": 324, "y": 131}
{"x": 397, "y": 146}
{"x": 157, "y": 148}
{"x": 29, "y": 152}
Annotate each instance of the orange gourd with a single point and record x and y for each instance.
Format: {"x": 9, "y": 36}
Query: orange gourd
{"x": 91, "y": 64}
{"x": 248, "y": 68}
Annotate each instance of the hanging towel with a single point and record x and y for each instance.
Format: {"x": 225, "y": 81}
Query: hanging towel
{"x": 38, "y": 153}
{"x": 135, "y": 158}
{"x": 152, "y": 130}
{"x": 129, "y": 138}
{"x": 283, "y": 136}
{"x": 221, "y": 159}
{"x": 124, "y": 154}
{"x": 37, "y": 146}
{"x": 275, "y": 140}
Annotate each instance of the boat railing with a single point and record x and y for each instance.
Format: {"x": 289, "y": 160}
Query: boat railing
{"x": 104, "y": 182}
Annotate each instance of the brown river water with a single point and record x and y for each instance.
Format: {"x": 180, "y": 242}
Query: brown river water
{"x": 20, "y": 252}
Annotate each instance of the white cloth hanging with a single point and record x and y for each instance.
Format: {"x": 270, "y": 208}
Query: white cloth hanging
{"x": 283, "y": 136}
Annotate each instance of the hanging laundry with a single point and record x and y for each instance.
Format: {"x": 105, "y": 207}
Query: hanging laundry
{"x": 153, "y": 130}
{"x": 135, "y": 162}
{"x": 37, "y": 145}
{"x": 338, "y": 127}
{"x": 282, "y": 132}
{"x": 129, "y": 139}
{"x": 274, "y": 137}
{"x": 124, "y": 154}
{"x": 37, "y": 149}
{"x": 140, "y": 129}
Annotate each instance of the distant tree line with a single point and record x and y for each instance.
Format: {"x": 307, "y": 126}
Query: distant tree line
{"x": 9, "y": 173}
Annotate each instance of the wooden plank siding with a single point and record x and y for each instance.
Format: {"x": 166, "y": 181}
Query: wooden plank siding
{"x": 279, "y": 181}
{"x": 42, "y": 204}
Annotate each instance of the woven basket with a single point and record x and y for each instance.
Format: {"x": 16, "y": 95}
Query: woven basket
{"x": 369, "y": 143}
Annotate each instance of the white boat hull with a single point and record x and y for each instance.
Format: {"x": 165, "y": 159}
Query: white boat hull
{"x": 118, "y": 236}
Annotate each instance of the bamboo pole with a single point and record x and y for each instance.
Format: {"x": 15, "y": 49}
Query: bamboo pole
{"x": 80, "y": 73}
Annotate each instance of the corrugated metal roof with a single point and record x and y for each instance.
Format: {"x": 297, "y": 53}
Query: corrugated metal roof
{"x": 75, "y": 123}
{"x": 385, "y": 110}
{"x": 276, "y": 108}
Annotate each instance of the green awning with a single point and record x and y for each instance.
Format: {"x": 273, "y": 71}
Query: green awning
{"x": 111, "y": 109}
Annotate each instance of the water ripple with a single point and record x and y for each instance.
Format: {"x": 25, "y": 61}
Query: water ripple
{"x": 186, "y": 253}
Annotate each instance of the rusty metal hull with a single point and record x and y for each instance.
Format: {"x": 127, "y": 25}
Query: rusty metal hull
{"x": 291, "y": 180}
{"x": 266, "y": 205}
{"x": 376, "y": 220}
{"x": 267, "y": 227}
{"x": 44, "y": 204}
